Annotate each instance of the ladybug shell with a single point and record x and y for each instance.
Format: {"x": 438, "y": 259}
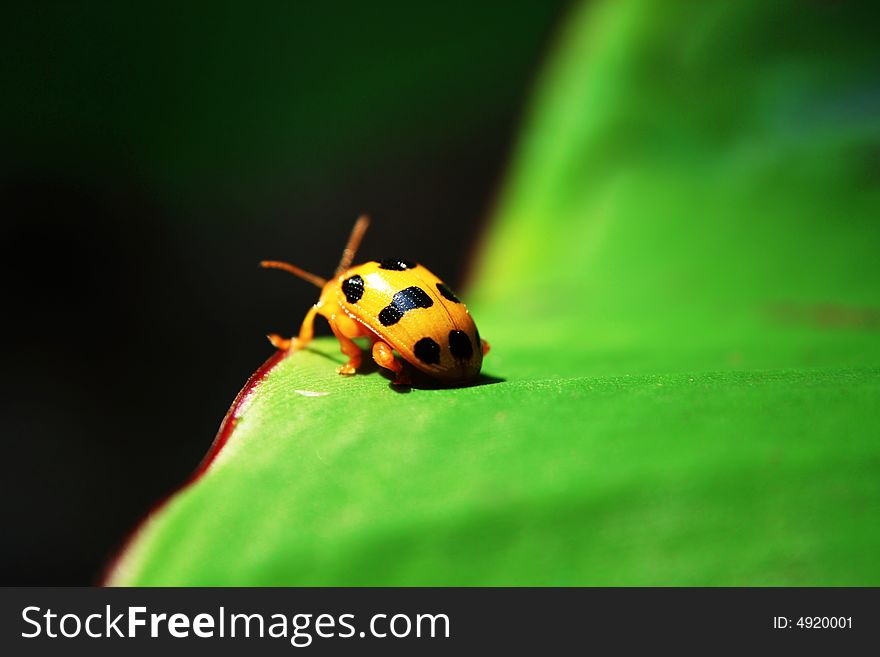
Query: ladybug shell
{"x": 412, "y": 310}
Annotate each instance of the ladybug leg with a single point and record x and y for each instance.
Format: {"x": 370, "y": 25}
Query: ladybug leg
{"x": 345, "y": 328}
{"x": 306, "y": 333}
{"x": 384, "y": 357}
{"x": 485, "y": 346}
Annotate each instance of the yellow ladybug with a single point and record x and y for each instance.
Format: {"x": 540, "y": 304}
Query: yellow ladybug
{"x": 400, "y": 306}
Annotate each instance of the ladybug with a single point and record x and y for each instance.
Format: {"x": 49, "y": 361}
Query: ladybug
{"x": 400, "y": 306}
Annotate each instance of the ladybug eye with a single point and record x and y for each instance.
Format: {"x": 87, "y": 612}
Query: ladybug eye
{"x": 396, "y": 265}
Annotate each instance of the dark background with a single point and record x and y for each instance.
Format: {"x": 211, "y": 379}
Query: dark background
{"x": 150, "y": 156}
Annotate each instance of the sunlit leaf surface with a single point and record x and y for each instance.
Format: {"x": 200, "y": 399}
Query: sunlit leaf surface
{"x": 682, "y": 291}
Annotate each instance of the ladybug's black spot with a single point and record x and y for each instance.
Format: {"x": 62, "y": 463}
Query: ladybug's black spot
{"x": 460, "y": 344}
{"x": 403, "y": 301}
{"x": 396, "y": 265}
{"x": 353, "y": 288}
{"x": 427, "y": 351}
{"x": 447, "y": 293}
{"x": 390, "y": 315}
{"x": 412, "y": 297}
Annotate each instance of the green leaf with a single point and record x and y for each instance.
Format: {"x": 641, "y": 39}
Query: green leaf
{"x": 682, "y": 292}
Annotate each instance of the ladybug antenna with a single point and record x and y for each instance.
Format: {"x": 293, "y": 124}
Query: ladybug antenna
{"x": 296, "y": 271}
{"x": 354, "y": 241}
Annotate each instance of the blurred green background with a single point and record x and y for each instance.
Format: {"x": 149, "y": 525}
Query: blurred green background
{"x": 151, "y": 154}
{"x": 681, "y": 288}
